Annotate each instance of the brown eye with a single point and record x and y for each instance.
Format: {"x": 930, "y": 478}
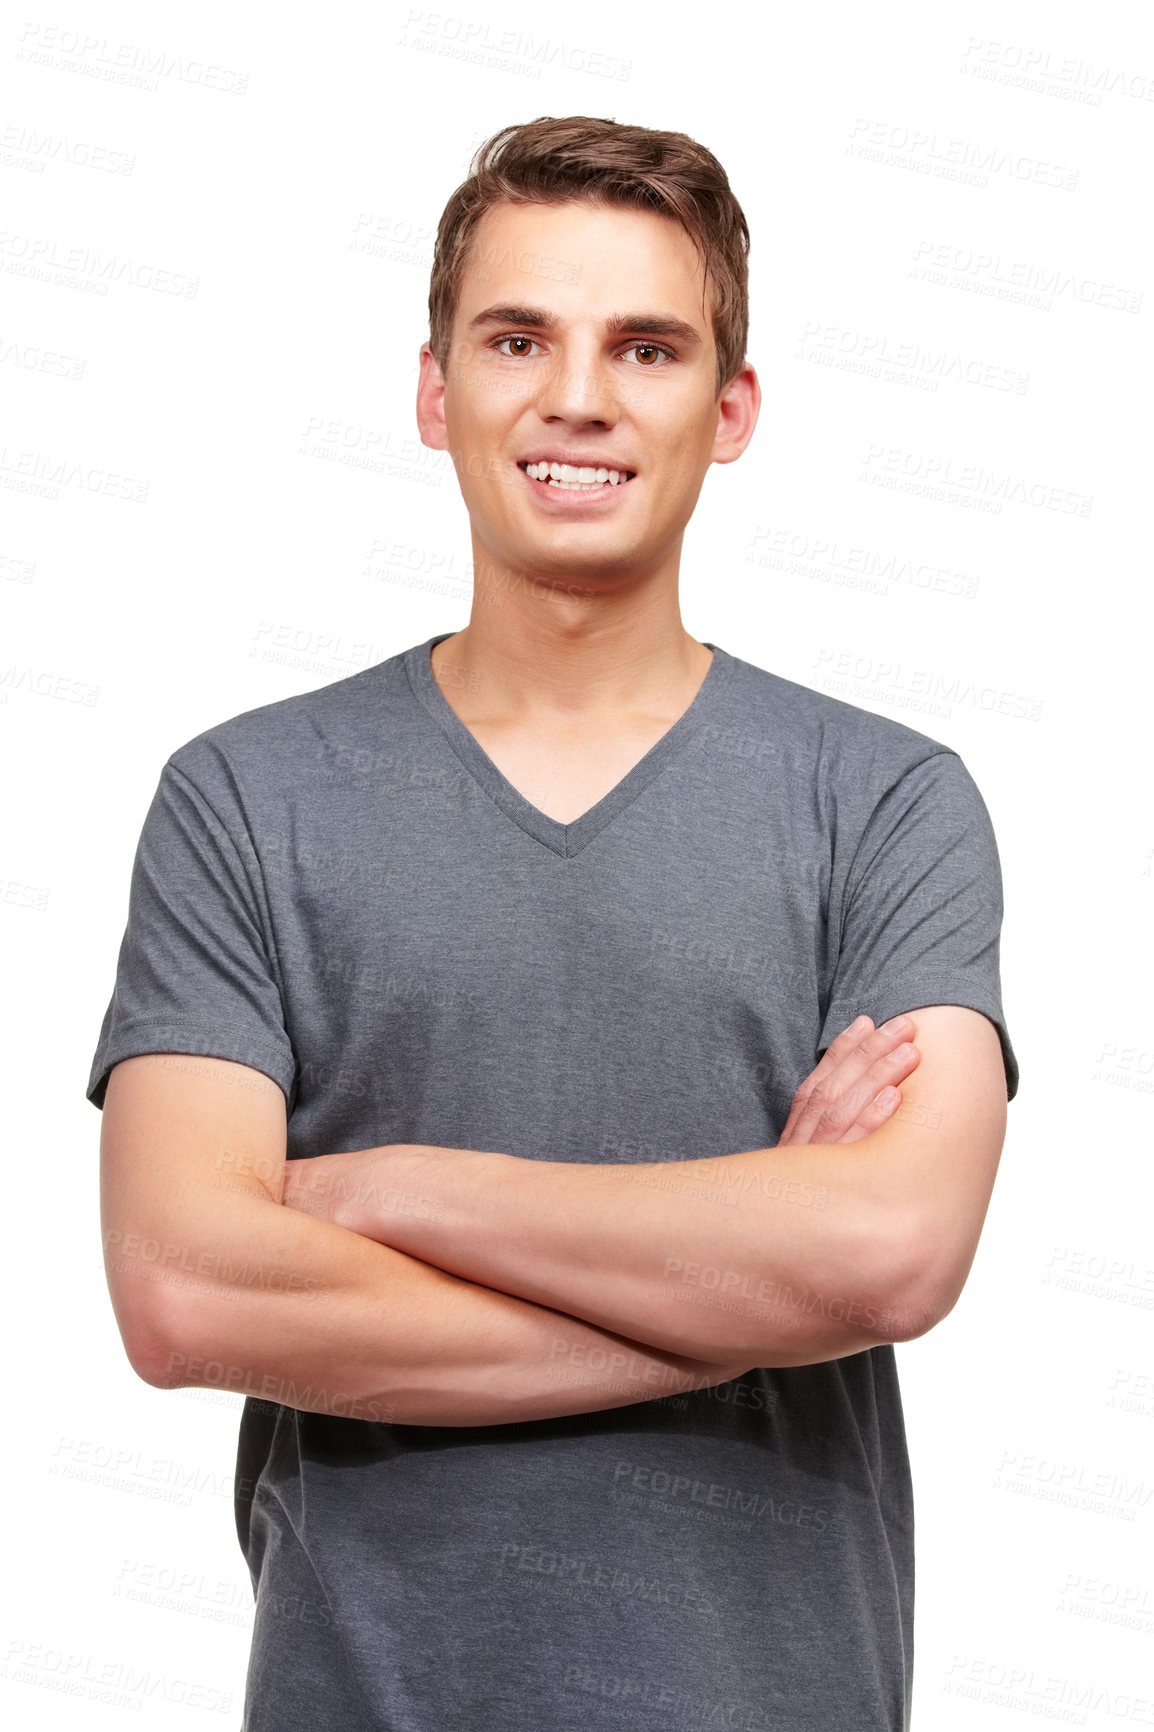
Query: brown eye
{"x": 527, "y": 341}
{"x": 651, "y": 350}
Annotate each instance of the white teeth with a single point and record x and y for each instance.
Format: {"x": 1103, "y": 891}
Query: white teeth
{"x": 571, "y": 478}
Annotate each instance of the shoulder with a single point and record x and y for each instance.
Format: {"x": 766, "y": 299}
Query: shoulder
{"x": 278, "y": 743}
{"x": 837, "y": 739}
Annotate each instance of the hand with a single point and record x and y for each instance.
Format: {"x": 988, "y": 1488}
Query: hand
{"x": 852, "y": 1091}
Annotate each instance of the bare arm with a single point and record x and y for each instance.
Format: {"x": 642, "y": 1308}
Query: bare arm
{"x": 215, "y": 1283}
{"x": 718, "y": 1258}
{"x": 789, "y": 1255}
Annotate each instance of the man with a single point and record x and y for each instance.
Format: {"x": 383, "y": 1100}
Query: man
{"x": 567, "y": 1328}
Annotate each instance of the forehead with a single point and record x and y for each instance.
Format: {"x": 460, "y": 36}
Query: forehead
{"x": 579, "y": 256}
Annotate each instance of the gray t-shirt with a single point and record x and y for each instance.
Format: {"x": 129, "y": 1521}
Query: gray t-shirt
{"x": 342, "y": 890}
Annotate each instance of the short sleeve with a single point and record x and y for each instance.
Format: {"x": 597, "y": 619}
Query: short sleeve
{"x": 194, "y": 973}
{"x": 922, "y": 907}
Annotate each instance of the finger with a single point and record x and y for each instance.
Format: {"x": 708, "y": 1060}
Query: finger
{"x": 855, "y": 1048}
{"x": 892, "y": 1067}
{"x": 828, "y": 1083}
{"x": 840, "y": 1115}
{"x": 839, "y": 1050}
{"x": 876, "y": 1098}
{"x": 876, "y": 1113}
{"x": 881, "y": 1079}
{"x": 831, "y": 1060}
{"x": 832, "y": 1108}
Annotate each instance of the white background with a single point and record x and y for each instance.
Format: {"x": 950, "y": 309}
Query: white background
{"x": 943, "y": 200}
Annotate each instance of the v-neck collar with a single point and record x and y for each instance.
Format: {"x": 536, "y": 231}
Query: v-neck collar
{"x": 564, "y": 839}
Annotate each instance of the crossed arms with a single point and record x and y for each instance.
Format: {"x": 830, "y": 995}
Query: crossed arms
{"x": 509, "y": 1289}
{"x": 783, "y": 1256}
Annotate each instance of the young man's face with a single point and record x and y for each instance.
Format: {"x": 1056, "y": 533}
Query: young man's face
{"x": 536, "y": 372}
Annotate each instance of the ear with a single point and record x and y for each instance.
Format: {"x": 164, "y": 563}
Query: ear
{"x": 737, "y": 410}
{"x": 431, "y": 402}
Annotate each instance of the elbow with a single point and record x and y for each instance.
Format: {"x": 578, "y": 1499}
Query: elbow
{"x": 919, "y": 1317}
{"x": 157, "y": 1357}
{"x": 156, "y": 1372}
{"x": 923, "y": 1302}
{"x": 898, "y": 1296}
{"x": 152, "y": 1359}
{"x": 934, "y": 1281}
{"x": 155, "y": 1343}
{"x": 166, "y": 1366}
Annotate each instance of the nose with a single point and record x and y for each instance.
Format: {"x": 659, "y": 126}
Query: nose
{"x": 581, "y": 386}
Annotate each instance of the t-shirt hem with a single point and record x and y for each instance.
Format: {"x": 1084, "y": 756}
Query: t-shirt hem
{"x": 194, "y": 1042}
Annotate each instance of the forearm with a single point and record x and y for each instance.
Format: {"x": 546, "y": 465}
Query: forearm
{"x": 782, "y": 1256}
{"x": 272, "y": 1303}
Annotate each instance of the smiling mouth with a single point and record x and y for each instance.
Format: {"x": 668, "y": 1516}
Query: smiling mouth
{"x": 566, "y": 478}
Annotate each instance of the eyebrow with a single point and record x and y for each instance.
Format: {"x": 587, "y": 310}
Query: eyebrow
{"x": 541, "y": 319}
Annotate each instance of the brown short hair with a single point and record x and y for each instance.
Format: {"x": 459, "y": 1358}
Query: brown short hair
{"x": 584, "y": 160}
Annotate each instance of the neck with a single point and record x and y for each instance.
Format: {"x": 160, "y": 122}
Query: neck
{"x": 540, "y": 660}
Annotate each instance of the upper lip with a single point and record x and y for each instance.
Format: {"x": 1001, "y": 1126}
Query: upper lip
{"x": 578, "y": 460}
